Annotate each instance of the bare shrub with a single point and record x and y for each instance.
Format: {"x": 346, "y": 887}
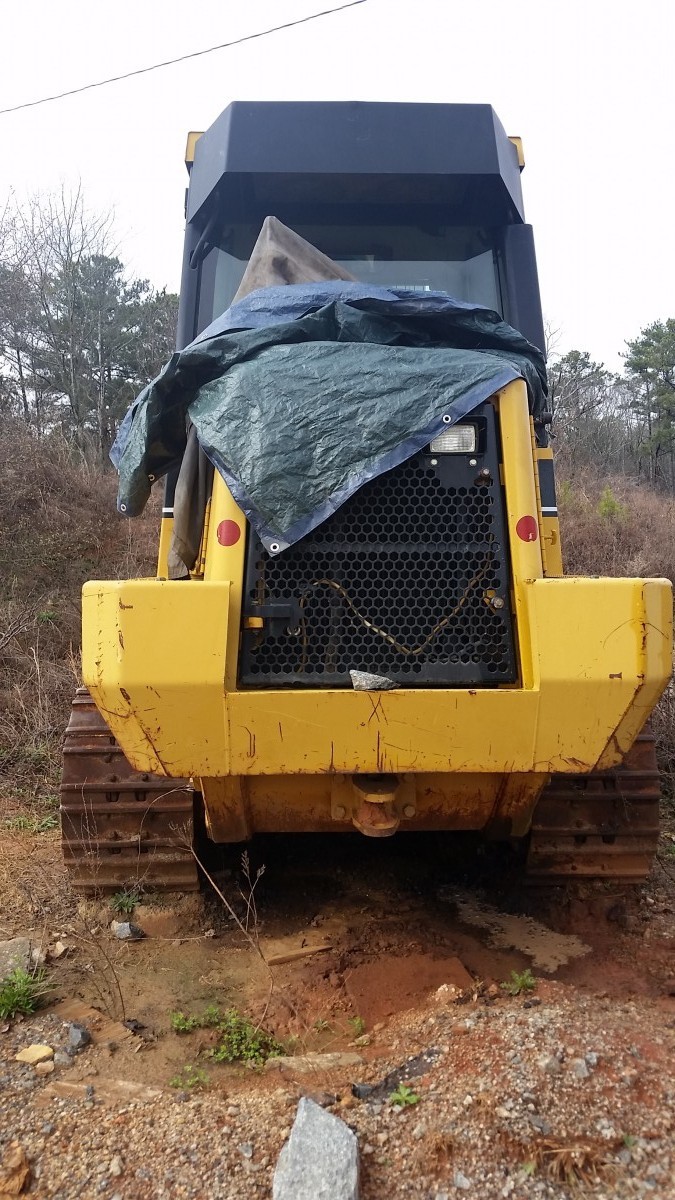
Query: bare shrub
{"x": 612, "y": 526}
{"x": 60, "y": 528}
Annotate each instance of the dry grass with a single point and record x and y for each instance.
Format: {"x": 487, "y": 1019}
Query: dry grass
{"x": 33, "y": 883}
{"x": 578, "y": 1163}
{"x": 610, "y": 526}
{"x": 59, "y": 524}
{"x": 435, "y": 1152}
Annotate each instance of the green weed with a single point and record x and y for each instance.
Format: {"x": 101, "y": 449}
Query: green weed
{"x": 24, "y": 823}
{"x": 239, "y": 1040}
{"x": 125, "y": 901}
{"x": 190, "y": 1078}
{"x": 520, "y": 982}
{"x": 210, "y": 1018}
{"x": 180, "y": 1023}
{"x": 358, "y": 1025}
{"x": 22, "y": 992}
{"x": 404, "y": 1096}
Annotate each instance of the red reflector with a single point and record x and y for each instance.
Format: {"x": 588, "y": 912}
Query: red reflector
{"x": 527, "y": 529}
{"x": 228, "y": 533}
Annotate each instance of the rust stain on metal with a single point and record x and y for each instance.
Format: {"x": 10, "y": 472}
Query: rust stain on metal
{"x": 122, "y": 605}
{"x": 125, "y": 695}
{"x": 281, "y": 732}
{"x": 251, "y": 742}
{"x": 120, "y": 638}
{"x": 149, "y": 739}
{"x": 617, "y": 675}
{"x": 378, "y": 711}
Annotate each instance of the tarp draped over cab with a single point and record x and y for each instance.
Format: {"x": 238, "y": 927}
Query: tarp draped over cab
{"x": 303, "y": 392}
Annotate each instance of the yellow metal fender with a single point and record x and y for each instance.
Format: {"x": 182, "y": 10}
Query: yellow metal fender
{"x": 153, "y": 656}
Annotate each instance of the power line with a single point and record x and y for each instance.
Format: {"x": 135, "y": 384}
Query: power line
{"x": 170, "y": 62}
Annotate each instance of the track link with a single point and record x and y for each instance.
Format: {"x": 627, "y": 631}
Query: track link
{"x": 604, "y": 825}
{"x": 120, "y": 828}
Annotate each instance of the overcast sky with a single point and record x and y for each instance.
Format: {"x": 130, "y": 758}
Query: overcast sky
{"x": 588, "y": 85}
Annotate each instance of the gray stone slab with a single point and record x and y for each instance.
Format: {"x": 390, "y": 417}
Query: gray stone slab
{"x": 14, "y": 953}
{"x": 320, "y": 1160}
{"x": 304, "y": 1064}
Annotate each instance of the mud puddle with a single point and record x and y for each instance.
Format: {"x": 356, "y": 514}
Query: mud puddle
{"x": 547, "y": 949}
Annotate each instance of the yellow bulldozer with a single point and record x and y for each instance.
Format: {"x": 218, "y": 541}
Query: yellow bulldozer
{"x": 408, "y": 655}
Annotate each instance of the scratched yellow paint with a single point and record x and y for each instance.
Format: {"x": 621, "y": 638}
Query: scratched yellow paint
{"x": 599, "y": 658}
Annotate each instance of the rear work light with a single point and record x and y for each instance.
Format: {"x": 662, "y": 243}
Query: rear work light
{"x": 460, "y": 439}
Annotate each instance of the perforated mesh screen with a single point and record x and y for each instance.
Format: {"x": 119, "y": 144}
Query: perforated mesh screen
{"x": 401, "y": 581}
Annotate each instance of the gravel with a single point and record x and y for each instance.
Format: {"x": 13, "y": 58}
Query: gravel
{"x": 480, "y": 1120}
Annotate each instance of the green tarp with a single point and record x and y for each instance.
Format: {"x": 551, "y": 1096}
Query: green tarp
{"x": 334, "y": 384}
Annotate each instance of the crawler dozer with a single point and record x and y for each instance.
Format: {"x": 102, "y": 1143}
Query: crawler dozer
{"x": 513, "y": 701}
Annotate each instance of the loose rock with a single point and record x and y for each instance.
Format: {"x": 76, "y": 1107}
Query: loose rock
{"x": 14, "y": 954}
{"x": 78, "y": 1036}
{"x": 35, "y": 1054}
{"x": 460, "y": 1181}
{"x": 126, "y": 931}
{"x": 551, "y": 1065}
{"x": 320, "y": 1159}
{"x": 15, "y": 1171}
{"x": 579, "y": 1068}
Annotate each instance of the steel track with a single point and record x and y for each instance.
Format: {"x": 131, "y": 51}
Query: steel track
{"x": 121, "y": 828}
{"x": 604, "y": 825}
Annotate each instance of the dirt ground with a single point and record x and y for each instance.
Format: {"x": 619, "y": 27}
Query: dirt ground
{"x": 397, "y": 952}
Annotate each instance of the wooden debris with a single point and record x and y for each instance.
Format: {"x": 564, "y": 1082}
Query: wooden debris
{"x": 296, "y": 952}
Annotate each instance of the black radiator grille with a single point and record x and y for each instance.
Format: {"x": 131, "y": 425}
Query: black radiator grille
{"x": 401, "y": 581}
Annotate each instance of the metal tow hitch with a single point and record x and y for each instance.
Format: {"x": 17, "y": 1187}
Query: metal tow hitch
{"x": 374, "y": 813}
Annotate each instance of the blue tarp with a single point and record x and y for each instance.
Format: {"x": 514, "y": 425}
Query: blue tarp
{"x": 303, "y": 393}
